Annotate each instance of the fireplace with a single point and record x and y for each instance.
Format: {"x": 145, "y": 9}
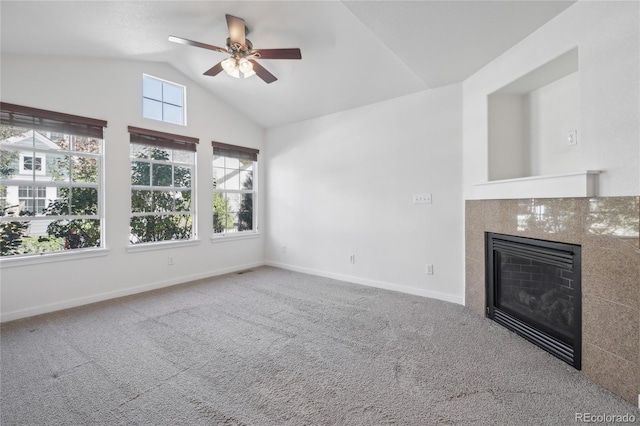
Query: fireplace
{"x": 534, "y": 289}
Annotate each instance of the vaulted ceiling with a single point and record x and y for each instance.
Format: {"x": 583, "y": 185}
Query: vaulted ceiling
{"x": 354, "y": 53}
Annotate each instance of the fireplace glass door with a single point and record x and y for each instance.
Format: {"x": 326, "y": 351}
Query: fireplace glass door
{"x": 533, "y": 288}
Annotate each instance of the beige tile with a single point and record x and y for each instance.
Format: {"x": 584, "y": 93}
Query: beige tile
{"x": 474, "y": 243}
{"x": 613, "y": 216}
{"x": 474, "y": 214}
{"x": 475, "y": 289}
{"x": 611, "y": 326}
{"x": 609, "y": 371}
{"x": 551, "y": 219}
{"x": 611, "y": 273}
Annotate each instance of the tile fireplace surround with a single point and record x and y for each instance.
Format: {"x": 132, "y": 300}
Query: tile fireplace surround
{"x": 608, "y": 230}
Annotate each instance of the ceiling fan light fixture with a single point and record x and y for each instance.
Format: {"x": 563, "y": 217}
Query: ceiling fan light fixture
{"x": 230, "y": 65}
{"x": 249, "y": 73}
{"x": 235, "y": 73}
{"x": 245, "y": 66}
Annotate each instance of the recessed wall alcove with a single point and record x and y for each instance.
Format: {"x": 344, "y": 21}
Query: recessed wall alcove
{"x": 529, "y": 121}
{"x": 533, "y": 136}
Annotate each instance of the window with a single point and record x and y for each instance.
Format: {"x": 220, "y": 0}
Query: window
{"x": 32, "y": 164}
{"x": 162, "y": 196}
{"x": 3, "y": 199}
{"x": 234, "y": 189}
{"x": 50, "y": 181}
{"x": 163, "y": 100}
{"x": 33, "y": 198}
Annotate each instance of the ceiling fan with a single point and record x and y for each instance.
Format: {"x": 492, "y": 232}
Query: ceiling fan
{"x": 243, "y": 55}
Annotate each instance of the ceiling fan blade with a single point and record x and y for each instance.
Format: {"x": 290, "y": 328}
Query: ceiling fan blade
{"x": 262, "y": 72}
{"x": 236, "y": 30}
{"x": 196, "y": 44}
{"x": 215, "y": 70}
{"x": 293, "y": 53}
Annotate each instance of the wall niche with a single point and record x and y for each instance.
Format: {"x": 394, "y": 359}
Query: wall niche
{"x": 530, "y": 119}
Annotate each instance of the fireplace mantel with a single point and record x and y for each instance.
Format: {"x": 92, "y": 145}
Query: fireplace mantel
{"x": 566, "y": 185}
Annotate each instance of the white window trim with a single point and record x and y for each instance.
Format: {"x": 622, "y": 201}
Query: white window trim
{"x": 158, "y": 245}
{"x": 244, "y": 235}
{"x": 43, "y": 164}
{"x": 52, "y": 256}
{"x": 161, "y": 245}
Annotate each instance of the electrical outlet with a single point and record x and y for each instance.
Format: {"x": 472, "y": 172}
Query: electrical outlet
{"x": 170, "y": 260}
{"x": 572, "y": 138}
{"x": 429, "y": 269}
{"x": 352, "y": 258}
{"x": 422, "y": 199}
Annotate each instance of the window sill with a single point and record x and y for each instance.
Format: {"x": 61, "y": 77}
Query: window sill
{"x": 234, "y": 237}
{"x": 163, "y": 245}
{"x": 35, "y": 259}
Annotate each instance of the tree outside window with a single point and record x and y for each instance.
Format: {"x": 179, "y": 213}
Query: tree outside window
{"x": 234, "y": 189}
{"x": 162, "y": 169}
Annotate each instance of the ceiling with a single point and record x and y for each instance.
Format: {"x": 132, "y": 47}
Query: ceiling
{"x": 354, "y": 53}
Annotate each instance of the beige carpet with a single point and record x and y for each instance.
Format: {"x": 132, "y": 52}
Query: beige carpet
{"x": 273, "y": 347}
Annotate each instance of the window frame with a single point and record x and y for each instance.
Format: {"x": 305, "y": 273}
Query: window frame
{"x": 35, "y": 191}
{"x": 42, "y": 121}
{"x": 163, "y": 140}
{"x": 3, "y": 197}
{"x": 239, "y": 153}
{"x": 32, "y": 156}
{"x": 162, "y": 101}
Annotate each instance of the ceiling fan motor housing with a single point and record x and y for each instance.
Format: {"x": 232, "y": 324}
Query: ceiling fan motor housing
{"x": 238, "y": 50}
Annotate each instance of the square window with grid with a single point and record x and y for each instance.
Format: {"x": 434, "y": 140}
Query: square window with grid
{"x": 33, "y": 198}
{"x": 163, "y": 100}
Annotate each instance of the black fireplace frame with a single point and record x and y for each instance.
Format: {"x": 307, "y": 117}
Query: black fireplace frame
{"x": 551, "y": 252}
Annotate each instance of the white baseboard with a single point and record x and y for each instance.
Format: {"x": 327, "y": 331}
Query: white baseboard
{"x": 43, "y": 309}
{"x": 371, "y": 283}
{"x": 72, "y": 303}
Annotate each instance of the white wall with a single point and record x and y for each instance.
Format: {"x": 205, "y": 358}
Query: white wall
{"x": 553, "y": 112}
{"x": 111, "y": 90}
{"x": 607, "y": 34}
{"x": 528, "y": 132}
{"x": 508, "y": 136}
{"x": 343, "y": 184}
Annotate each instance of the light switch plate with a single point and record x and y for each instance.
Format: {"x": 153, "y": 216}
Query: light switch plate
{"x": 422, "y": 199}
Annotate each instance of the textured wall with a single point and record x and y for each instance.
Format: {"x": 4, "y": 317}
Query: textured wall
{"x": 343, "y": 184}
{"x": 608, "y": 231}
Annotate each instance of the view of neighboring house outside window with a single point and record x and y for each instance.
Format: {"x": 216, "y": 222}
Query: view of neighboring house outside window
{"x": 234, "y": 189}
{"x": 50, "y": 181}
{"x": 34, "y": 198}
{"x": 162, "y": 186}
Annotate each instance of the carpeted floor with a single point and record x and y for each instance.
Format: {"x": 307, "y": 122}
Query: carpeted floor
{"x": 274, "y": 347}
